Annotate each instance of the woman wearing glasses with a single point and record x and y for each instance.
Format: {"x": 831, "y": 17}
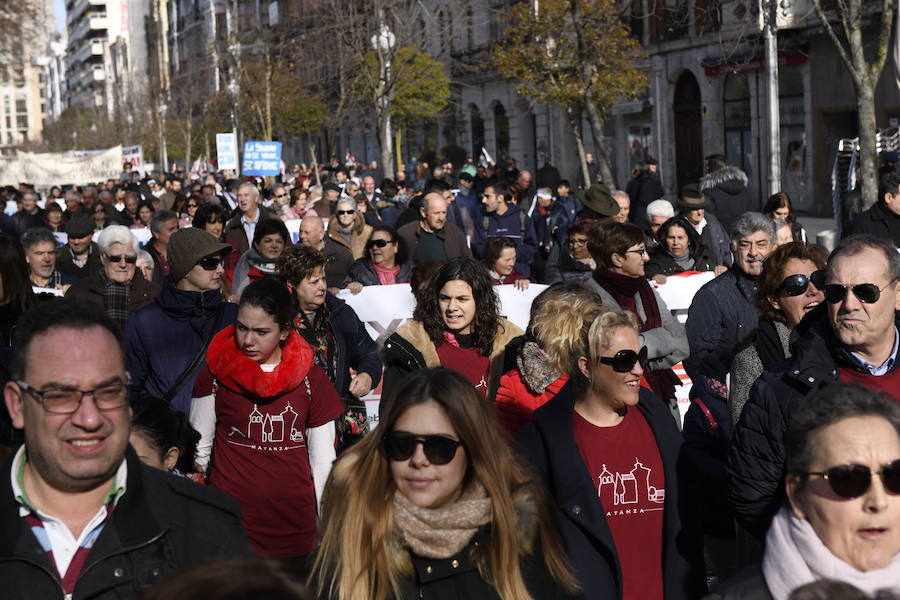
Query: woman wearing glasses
{"x": 608, "y": 449}
{"x": 349, "y": 228}
{"x": 843, "y": 487}
{"x": 441, "y": 507}
{"x": 385, "y": 263}
{"x": 572, "y": 261}
{"x": 620, "y": 252}
{"x": 265, "y": 412}
{"x": 118, "y": 287}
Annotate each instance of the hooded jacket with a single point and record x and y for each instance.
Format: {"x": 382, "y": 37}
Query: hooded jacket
{"x": 663, "y": 263}
{"x": 511, "y": 224}
{"x": 727, "y": 188}
{"x": 409, "y": 348}
{"x": 250, "y": 267}
{"x": 163, "y": 338}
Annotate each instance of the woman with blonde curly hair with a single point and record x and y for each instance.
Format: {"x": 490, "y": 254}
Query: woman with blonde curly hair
{"x": 551, "y": 341}
{"x": 441, "y": 507}
{"x": 609, "y": 450}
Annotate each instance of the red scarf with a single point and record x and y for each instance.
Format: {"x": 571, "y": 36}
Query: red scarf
{"x": 386, "y": 275}
{"x": 233, "y": 369}
{"x": 623, "y": 290}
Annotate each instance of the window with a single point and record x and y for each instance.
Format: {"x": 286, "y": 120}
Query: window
{"x": 22, "y": 122}
{"x": 21, "y": 106}
{"x": 738, "y": 143}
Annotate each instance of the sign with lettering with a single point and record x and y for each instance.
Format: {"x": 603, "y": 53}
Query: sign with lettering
{"x": 226, "y": 151}
{"x": 261, "y": 158}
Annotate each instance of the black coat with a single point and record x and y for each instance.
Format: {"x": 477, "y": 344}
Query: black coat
{"x": 65, "y": 262}
{"x": 749, "y": 584}
{"x": 562, "y": 267}
{"x": 161, "y": 524}
{"x": 642, "y": 190}
{"x": 548, "y": 444}
{"x": 727, "y": 188}
{"x": 756, "y": 464}
{"x": 879, "y": 221}
{"x": 339, "y": 259}
{"x": 663, "y": 263}
{"x": 362, "y": 271}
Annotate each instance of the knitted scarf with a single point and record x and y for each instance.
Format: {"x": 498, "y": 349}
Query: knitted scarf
{"x": 795, "y": 555}
{"x": 386, "y": 275}
{"x": 623, "y": 289}
{"x": 116, "y": 297}
{"x": 441, "y": 532}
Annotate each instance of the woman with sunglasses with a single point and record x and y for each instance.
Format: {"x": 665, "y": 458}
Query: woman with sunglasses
{"x": 790, "y": 286}
{"x": 186, "y": 218}
{"x": 456, "y": 324}
{"x": 843, "y": 487}
{"x": 441, "y": 507}
{"x": 100, "y": 216}
{"x": 621, "y": 282}
{"x": 385, "y": 264}
{"x": 119, "y": 288}
{"x": 265, "y": 412}
{"x": 348, "y": 227}
{"x": 608, "y": 451}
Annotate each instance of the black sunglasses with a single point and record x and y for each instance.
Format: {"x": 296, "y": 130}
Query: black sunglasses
{"x": 796, "y": 285}
{"x": 377, "y": 243}
{"x": 852, "y": 481}
{"x": 400, "y": 446}
{"x": 624, "y": 360}
{"x": 210, "y": 263}
{"x": 867, "y": 293}
{"x": 346, "y": 212}
{"x": 115, "y": 258}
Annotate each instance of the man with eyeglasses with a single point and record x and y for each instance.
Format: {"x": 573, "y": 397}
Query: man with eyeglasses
{"x": 853, "y": 338}
{"x": 81, "y": 516}
{"x": 165, "y": 341}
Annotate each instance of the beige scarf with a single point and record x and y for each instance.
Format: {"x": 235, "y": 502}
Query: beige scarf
{"x": 441, "y": 532}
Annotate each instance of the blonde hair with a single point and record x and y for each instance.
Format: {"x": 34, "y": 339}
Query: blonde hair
{"x": 558, "y": 315}
{"x": 360, "y": 557}
{"x": 595, "y": 339}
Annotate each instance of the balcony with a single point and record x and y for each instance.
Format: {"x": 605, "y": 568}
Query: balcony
{"x": 98, "y": 73}
{"x": 76, "y": 8}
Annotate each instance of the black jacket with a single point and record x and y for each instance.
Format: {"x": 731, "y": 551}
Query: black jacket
{"x": 65, "y": 262}
{"x": 756, "y": 462}
{"x": 161, "y": 524}
{"x": 663, "y": 263}
{"x": 363, "y": 272}
{"x": 879, "y": 221}
{"x": 548, "y": 444}
{"x": 339, "y": 259}
{"x": 727, "y": 188}
{"x": 642, "y": 190}
{"x": 749, "y": 584}
{"x": 562, "y": 267}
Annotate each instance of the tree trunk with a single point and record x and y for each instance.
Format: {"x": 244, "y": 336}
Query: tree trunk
{"x": 574, "y": 115}
{"x": 596, "y": 123}
{"x": 385, "y": 139}
{"x": 865, "y": 104}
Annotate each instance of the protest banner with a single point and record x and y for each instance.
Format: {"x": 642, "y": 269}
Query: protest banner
{"x": 261, "y": 158}
{"x": 226, "y": 151}
{"x": 55, "y": 168}
{"x": 135, "y": 156}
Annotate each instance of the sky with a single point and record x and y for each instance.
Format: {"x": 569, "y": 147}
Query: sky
{"x": 59, "y": 11}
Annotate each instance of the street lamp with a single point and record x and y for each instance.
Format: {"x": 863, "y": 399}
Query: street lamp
{"x": 383, "y": 43}
{"x": 163, "y": 144}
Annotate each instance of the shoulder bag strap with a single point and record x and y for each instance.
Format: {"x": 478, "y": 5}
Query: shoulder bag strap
{"x": 709, "y": 416}
{"x": 192, "y": 368}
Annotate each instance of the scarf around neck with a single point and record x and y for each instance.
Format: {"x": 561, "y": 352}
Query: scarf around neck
{"x": 116, "y": 297}
{"x": 441, "y": 532}
{"x": 623, "y": 290}
{"x": 795, "y": 556}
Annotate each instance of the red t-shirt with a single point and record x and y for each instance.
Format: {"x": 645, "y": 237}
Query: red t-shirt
{"x": 260, "y": 459}
{"x": 626, "y": 467}
{"x": 467, "y": 362}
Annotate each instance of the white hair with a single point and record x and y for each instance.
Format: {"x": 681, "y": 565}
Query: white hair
{"x": 345, "y": 200}
{"x": 250, "y": 186}
{"x": 116, "y": 234}
{"x": 660, "y": 208}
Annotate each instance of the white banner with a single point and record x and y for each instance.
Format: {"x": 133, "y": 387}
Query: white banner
{"x": 61, "y": 168}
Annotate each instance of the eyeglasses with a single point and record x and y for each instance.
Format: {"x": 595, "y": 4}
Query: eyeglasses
{"x": 281, "y": 195}
{"x": 867, "y": 293}
{"x": 193, "y": 205}
{"x": 624, "y": 360}
{"x": 641, "y": 251}
{"x": 399, "y": 446}
{"x": 852, "y": 481}
{"x": 65, "y": 401}
{"x": 795, "y": 285}
{"x": 577, "y": 241}
{"x": 377, "y": 244}
{"x": 210, "y": 263}
{"x": 115, "y": 258}
{"x": 346, "y": 212}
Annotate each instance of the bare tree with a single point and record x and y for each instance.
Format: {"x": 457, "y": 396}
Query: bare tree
{"x": 845, "y": 25}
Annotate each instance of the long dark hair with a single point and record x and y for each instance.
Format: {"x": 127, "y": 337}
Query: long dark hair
{"x": 487, "y": 315}
{"x": 17, "y": 288}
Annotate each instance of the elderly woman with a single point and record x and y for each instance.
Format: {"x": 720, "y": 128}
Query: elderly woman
{"x": 571, "y": 261}
{"x": 789, "y": 286}
{"x": 270, "y": 238}
{"x": 348, "y": 227}
{"x": 608, "y": 451}
{"x": 119, "y": 288}
{"x": 620, "y": 280}
{"x": 843, "y": 486}
{"x": 678, "y": 249}
{"x": 386, "y": 263}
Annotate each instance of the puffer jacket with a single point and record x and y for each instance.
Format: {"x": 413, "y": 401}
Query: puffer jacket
{"x": 727, "y": 188}
{"x": 362, "y": 271}
{"x": 161, "y": 524}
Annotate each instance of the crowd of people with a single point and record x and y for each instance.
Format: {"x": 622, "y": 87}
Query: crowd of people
{"x": 185, "y": 405}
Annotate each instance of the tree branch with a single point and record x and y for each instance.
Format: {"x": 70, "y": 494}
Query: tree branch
{"x": 817, "y": 4}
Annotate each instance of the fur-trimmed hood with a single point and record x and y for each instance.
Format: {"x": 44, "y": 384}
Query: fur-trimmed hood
{"x": 233, "y": 369}
{"x": 414, "y": 332}
{"x": 722, "y": 177}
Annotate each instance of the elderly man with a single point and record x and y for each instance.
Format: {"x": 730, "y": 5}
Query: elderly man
{"x": 239, "y": 230}
{"x": 432, "y": 237}
{"x": 165, "y": 342}
{"x": 658, "y": 212}
{"x": 73, "y": 203}
{"x": 31, "y": 214}
{"x": 624, "y": 203}
{"x": 119, "y": 288}
{"x": 724, "y": 310}
{"x": 853, "y": 338}
{"x": 40, "y": 254}
{"x": 89, "y": 198}
{"x": 80, "y": 257}
{"x": 339, "y": 259}
{"x": 81, "y": 516}
{"x": 163, "y": 224}
{"x": 712, "y": 233}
